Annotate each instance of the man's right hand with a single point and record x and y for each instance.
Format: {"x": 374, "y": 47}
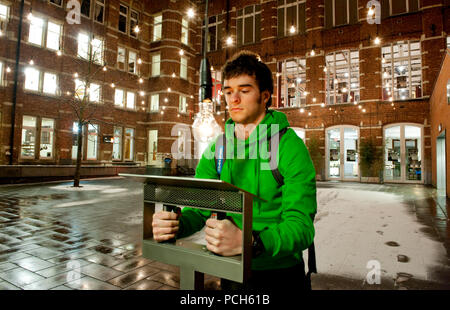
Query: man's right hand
{"x": 165, "y": 225}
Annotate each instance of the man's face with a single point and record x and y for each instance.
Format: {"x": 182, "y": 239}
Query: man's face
{"x": 246, "y": 104}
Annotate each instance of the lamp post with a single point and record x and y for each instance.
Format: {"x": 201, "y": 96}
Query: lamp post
{"x": 205, "y": 127}
{"x": 16, "y": 77}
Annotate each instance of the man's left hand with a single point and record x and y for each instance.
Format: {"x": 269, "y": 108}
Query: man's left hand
{"x": 223, "y": 237}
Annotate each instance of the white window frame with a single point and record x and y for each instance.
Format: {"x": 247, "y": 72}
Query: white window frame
{"x": 388, "y": 80}
{"x": 118, "y": 140}
{"x": 156, "y": 64}
{"x": 184, "y": 31}
{"x": 81, "y": 88}
{"x": 283, "y": 80}
{"x": 130, "y": 52}
{"x": 44, "y": 74}
{"x": 331, "y": 77}
{"x": 242, "y": 17}
{"x": 59, "y": 34}
{"x": 334, "y": 14}
{"x": 157, "y": 27}
{"x": 124, "y": 62}
{"x": 154, "y": 102}
{"x": 4, "y": 18}
{"x": 32, "y": 73}
{"x": 407, "y": 8}
{"x": 132, "y": 140}
{"x": 217, "y": 24}
{"x": 51, "y": 132}
{"x": 133, "y": 23}
{"x": 90, "y": 9}
{"x": 34, "y": 130}
{"x": 183, "y": 67}
{"x": 40, "y": 83}
{"x": 34, "y": 36}
{"x": 89, "y": 52}
{"x": 99, "y": 3}
{"x": 182, "y": 106}
{"x": 287, "y": 26}
{"x": 95, "y": 141}
{"x": 124, "y": 15}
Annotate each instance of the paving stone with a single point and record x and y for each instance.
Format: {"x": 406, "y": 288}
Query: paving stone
{"x": 167, "y": 278}
{"x": 103, "y": 259}
{"x": 88, "y": 283}
{"x": 163, "y": 266}
{"x": 76, "y": 254}
{"x": 48, "y": 283}
{"x": 145, "y": 285}
{"x": 62, "y": 268}
{"x": 133, "y": 276}
{"x": 5, "y": 286}
{"x": 62, "y": 288}
{"x": 132, "y": 264}
{"x": 33, "y": 263}
{"x": 20, "y": 277}
{"x": 7, "y": 266}
{"x": 100, "y": 272}
{"x": 44, "y": 253}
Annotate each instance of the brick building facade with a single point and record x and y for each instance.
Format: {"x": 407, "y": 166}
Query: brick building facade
{"x": 340, "y": 78}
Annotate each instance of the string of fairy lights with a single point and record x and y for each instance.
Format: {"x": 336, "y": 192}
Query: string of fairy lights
{"x": 230, "y": 42}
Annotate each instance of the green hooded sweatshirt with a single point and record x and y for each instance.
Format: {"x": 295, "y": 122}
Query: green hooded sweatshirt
{"x": 286, "y": 219}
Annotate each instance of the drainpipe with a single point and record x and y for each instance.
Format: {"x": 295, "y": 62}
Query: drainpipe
{"x": 16, "y": 77}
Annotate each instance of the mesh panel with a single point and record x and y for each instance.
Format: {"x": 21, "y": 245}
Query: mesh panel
{"x": 197, "y": 197}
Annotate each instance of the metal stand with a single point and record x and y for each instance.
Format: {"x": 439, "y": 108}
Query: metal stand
{"x": 194, "y": 259}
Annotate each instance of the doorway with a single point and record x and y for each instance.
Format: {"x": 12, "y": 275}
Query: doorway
{"x": 441, "y": 172}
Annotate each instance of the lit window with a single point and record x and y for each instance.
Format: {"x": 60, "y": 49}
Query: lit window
{"x": 94, "y": 94}
{"x": 183, "y": 102}
{"x": 1, "y": 73}
{"x": 97, "y": 50}
{"x": 36, "y": 31}
{"x": 32, "y": 79}
{"x": 183, "y": 68}
{"x": 80, "y": 89}
{"x": 28, "y": 145}
{"x": 402, "y": 70}
{"x": 53, "y": 36}
{"x": 129, "y": 144}
{"x": 156, "y": 62}
{"x": 92, "y": 142}
{"x": 90, "y": 49}
{"x": 248, "y": 25}
{"x": 121, "y": 58}
{"x": 123, "y": 15}
{"x": 157, "y": 27}
{"x": 293, "y": 83}
{"x": 75, "y": 131}
{"x": 154, "y": 102}
{"x": 83, "y": 46}
{"x": 132, "y": 58}
{"x": 448, "y": 91}
{"x": 119, "y": 98}
{"x": 131, "y": 100}
{"x": 47, "y": 136}
{"x": 184, "y": 31}
{"x": 50, "y": 83}
{"x": 291, "y": 17}
{"x": 4, "y": 12}
{"x": 342, "y": 82}
{"x": 448, "y": 42}
{"x": 117, "y": 146}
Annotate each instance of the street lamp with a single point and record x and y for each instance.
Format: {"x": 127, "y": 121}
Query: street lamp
{"x": 205, "y": 127}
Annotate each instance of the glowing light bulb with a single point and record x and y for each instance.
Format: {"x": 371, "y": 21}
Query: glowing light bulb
{"x": 377, "y": 41}
{"x": 190, "y": 13}
{"x": 229, "y": 41}
{"x": 313, "y": 53}
{"x": 292, "y": 29}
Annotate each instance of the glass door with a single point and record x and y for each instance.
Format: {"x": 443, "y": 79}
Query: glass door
{"x": 342, "y": 165}
{"x": 403, "y": 153}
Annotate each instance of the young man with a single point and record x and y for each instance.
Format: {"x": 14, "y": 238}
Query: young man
{"x": 282, "y": 226}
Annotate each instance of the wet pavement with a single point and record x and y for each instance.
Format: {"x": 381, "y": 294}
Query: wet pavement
{"x": 56, "y": 237}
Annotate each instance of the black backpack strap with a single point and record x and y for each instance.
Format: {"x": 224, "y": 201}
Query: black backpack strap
{"x": 220, "y": 153}
{"x": 273, "y": 157}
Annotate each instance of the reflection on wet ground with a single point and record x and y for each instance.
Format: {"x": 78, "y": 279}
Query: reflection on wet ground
{"x": 53, "y": 236}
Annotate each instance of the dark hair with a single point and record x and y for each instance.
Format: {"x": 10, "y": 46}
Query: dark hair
{"x": 250, "y": 63}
